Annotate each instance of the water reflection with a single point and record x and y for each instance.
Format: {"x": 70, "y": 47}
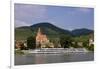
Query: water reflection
{"x": 52, "y": 58}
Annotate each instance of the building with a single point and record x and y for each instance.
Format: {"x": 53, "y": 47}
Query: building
{"x": 91, "y": 42}
{"x": 19, "y": 44}
{"x": 91, "y": 39}
{"x": 41, "y": 40}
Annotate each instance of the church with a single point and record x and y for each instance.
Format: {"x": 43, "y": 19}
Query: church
{"x": 42, "y": 41}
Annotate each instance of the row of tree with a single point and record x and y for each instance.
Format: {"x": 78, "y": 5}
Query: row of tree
{"x": 65, "y": 42}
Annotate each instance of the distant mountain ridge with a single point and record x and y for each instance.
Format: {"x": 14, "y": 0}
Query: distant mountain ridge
{"x": 83, "y": 31}
{"x": 48, "y": 29}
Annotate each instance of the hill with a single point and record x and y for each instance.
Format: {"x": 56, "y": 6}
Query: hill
{"x": 83, "y": 31}
{"x": 49, "y": 29}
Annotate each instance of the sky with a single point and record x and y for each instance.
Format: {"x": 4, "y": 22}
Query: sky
{"x": 65, "y": 17}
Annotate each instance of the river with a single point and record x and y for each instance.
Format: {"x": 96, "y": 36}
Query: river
{"x": 53, "y": 58}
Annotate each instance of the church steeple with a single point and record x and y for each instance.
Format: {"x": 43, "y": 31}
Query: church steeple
{"x": 39, "y": 31}
{"x": 41, "y": 39}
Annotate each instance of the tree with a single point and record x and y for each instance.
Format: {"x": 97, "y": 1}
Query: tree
{"x": 65, "y": 41}
{"x": 75, "y": 45}
{"x": 91, "y": 47}
{"x": 31, "y": 42}
{"x": 85, "y": 44}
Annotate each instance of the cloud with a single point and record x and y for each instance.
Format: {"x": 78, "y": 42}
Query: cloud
{"x": 64, "y": 17}
{"x": 28, "y": 12}
{"x": 19, "y": 23}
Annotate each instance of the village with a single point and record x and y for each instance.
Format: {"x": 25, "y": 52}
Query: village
{"x": 42, "y": 42}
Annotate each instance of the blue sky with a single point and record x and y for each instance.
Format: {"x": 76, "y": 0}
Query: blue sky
{"x": 62, "y": 16}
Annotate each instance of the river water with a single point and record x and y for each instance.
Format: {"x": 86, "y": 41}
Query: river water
{"x": 52, "y": 58}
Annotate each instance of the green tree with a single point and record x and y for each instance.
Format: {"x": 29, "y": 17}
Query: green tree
{"x": 76, "y": 45}
{"x": 91, "y": 47}
{"x": 65, "y": 41}
{"x": 31, "y": 42}
{"x": 85, "y": 44}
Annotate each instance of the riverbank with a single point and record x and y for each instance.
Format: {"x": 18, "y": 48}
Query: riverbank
{"x": 56, "y": 50}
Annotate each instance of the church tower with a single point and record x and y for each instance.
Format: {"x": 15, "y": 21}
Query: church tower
{"x": 39, "y": 32}
{"x": 40, "y": 39}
